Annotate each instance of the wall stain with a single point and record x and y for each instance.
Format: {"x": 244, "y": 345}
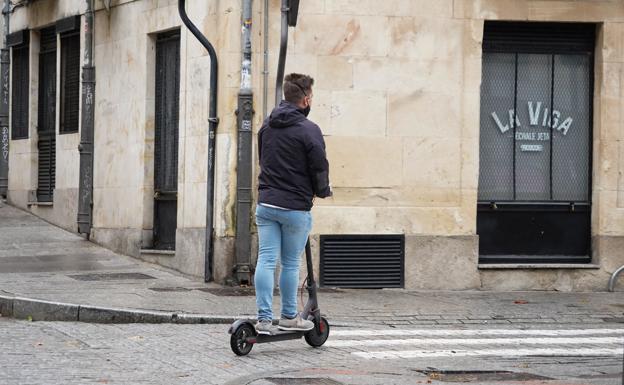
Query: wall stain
{"x": 352, "y": 32}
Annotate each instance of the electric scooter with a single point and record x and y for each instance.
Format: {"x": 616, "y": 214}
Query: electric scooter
{"x": 244, "y": 334}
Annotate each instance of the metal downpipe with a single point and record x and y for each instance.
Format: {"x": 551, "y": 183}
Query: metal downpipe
{"x": 282, "y": 53}
{"x": 4, "y": 105}
{"x": 265, "y": 70}
{"x": 86, "y": 147}
{"x": 213, "y": 121}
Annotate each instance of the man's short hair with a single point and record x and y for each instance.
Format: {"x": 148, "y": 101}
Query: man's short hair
{"x": 297, "y": 86}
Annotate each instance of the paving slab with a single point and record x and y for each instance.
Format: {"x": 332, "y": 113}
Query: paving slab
{"x": 47, "y": 273}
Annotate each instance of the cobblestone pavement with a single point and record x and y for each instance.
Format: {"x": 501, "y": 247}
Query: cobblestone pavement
{"x": 81, "y": 353}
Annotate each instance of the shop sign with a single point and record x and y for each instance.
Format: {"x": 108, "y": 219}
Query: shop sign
{"x": 538, "y": 117}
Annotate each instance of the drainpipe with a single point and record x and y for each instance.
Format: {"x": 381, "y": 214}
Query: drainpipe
{"x": 243, "y": 172}
{"x": 213, "y": 121}
{"x": 85, "y": 188}
{"x": 265, "y": 70}
{"x": 4, "y": 105}
{"x": 290, "y": 11}
{"x": 282, "y": 53}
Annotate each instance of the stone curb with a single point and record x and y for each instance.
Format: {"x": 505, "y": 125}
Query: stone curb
{"x": 41, "y": 310}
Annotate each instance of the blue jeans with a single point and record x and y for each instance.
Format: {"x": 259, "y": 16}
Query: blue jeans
{"x": 281, "y": 233}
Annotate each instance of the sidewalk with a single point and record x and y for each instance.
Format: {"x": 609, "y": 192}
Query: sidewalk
{"x": 47, "y": 273}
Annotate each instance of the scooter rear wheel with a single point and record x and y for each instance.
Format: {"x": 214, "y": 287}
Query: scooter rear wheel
{"x": 317, "y": 336}
{"x": 238, "y": 340}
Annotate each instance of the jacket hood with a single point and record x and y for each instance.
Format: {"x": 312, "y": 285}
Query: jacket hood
{"x": 285, "y": 115}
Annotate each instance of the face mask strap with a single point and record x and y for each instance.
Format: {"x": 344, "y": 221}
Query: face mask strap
{"x": 300, "y": 88}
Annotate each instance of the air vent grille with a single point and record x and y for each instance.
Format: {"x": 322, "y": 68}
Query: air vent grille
{"x": 362, "y": 261}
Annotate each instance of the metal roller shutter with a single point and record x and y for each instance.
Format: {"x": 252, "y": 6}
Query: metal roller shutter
{"x": 19, "y": 97}
{"x": 47, "y": 116}
{"x": 70, "y": 82}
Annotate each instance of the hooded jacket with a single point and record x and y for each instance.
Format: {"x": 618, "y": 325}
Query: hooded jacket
{"x": 293, "y": 163}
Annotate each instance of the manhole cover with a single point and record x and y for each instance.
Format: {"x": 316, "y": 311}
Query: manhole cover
{"x": 110, "y": 276}
{"x": 479, "y": 375}
{"x": 301, "y": 381}
{"x": 614, "y": 320}
{"x": 169, "y": 289}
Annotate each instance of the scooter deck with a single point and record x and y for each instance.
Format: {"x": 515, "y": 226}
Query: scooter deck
{"x": 279, "y": 335}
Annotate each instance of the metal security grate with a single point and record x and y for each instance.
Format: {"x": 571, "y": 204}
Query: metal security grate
{"x": 47, "y": 116}
{"x": 20, "y": 87}
{"x": 525, "y": 157}
{"x": 70, "y": 82}
{"x": 167, "y": 111}
{"x": 166, "y": 139}
{"x": 362, "y": 261}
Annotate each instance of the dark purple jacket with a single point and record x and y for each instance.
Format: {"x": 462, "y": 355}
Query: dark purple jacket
{"x": 293, "y": 164}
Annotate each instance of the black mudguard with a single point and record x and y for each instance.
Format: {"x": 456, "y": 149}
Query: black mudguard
{"x": 239, "y": 323}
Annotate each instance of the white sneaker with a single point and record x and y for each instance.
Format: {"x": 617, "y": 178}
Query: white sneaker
{"x": 264, "y": 327}
{"x": 295, "y": 324}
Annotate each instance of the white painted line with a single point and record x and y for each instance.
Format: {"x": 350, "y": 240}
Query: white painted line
{"x": 473, "y": 332}
{"x": 593, "y": 352}
{"x": 618, "y": 341}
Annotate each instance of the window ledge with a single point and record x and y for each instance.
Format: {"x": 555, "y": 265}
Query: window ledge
{"x": 531, "y": 266}
{"x": 158, "y": 252}
{"x": 44, "y": 204}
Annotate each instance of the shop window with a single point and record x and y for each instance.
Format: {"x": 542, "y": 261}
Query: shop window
{"x": 536, "y": 142}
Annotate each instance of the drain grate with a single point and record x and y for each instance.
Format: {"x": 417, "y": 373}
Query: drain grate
{"x": 614, "y": 320}
{"x": 302, "y": 381}
{"x": 479, "y": 375}
{"x": 169, "y": 289}
{"x": 250, "y": 291}
{"x": 110, "y": 276}
{"x": 230, "y": 291}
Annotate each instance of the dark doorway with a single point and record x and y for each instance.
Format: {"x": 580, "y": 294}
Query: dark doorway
{"x": 46, "y": 120}
{"x": 166, "y": 139}
{"x": 536, "y": 143}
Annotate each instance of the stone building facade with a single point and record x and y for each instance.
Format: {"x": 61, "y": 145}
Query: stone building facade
{"x": 405, "y": 93}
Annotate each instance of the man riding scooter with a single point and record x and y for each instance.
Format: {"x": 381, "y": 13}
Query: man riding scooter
{"x": 293, "y": 170}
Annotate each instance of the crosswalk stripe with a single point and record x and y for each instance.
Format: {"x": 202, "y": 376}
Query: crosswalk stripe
{"x": 490, "y": 352}
{"x": 479, "y": 341}
{"x": 474, "y": 332}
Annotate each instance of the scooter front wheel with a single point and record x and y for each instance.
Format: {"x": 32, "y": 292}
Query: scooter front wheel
{"x": 317, "y": 336}
{"x": 238, "y": 341}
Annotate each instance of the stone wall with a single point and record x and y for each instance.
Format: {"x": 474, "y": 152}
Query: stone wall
{"x": 396, "y": 94}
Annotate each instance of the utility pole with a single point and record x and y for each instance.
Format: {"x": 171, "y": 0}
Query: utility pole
{"x": 243, "y": 173}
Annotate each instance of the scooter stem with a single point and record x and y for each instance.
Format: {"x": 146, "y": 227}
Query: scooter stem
{"x": 311, "y": 306}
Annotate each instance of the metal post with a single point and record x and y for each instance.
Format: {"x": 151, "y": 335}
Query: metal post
{"x": 85, "y": 188}
{"x": 4, "y": 105}
{"x": 243, "y": 173}
{"x": 613, "y": 279}
{"x": 213, "y": 121}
